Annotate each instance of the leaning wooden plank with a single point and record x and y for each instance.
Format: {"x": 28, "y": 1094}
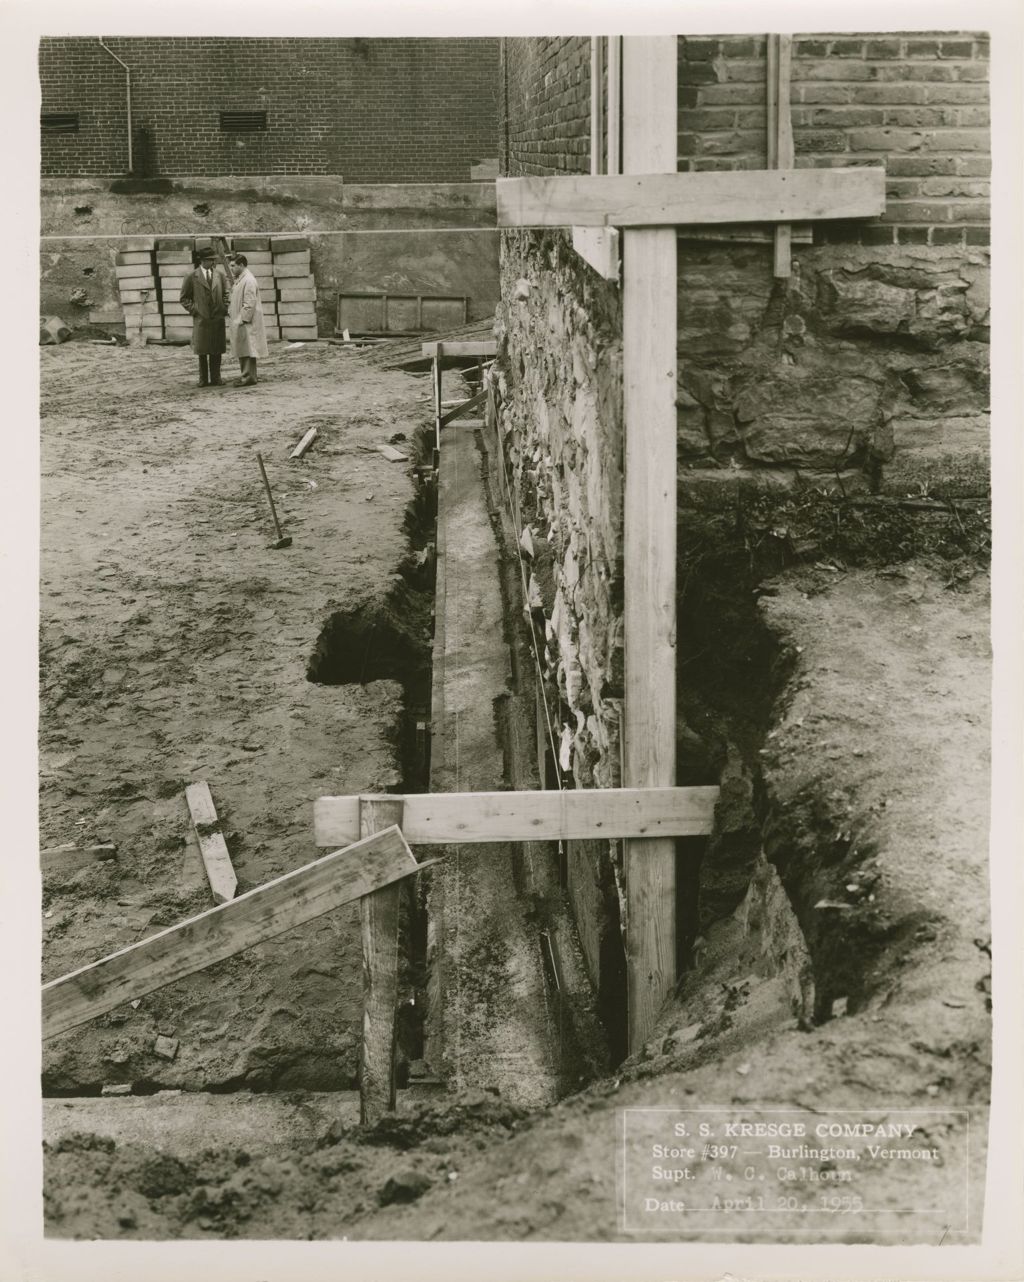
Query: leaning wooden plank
{"x": 598, "y": 246}
{"x": 463, "y": 408}
{"x": 439, "y": 817}
{"x": 212, "y": 846}
{"x": 252, "y": 918}
{"x": 481, "y": 347}
{"x": 659, "y": 200}
{"x": 378, "y": 920}
{"x": 305, "y": 443}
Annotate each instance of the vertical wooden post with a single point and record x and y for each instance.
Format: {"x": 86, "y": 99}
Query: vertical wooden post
{"x": 436, "y": 371}
{"x": 614, "y": 96}
{"x": 649, "y": 520}
{"x": 378, "y": 918}
{"x": 780, "y": 133}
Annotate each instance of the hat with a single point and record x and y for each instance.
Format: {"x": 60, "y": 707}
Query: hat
{"x": 207, "y": 252}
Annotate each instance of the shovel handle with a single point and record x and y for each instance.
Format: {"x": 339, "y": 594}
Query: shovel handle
{"x": 270, "y": 497}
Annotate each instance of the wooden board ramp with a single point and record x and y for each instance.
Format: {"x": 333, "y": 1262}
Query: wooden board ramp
{"x": 219, "y": 870}
{"x": 261, "y": 914}
{"x": 439, "y": 818}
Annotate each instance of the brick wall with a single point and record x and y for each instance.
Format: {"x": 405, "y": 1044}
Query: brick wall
{"x": 546, "y": 106}
{"x": 916, "y": 102}
{"x": 401, "y": 110}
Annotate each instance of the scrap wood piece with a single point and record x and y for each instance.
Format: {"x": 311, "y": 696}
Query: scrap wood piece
{"x": 390, "y": 453}
{"x": 305, "y": 443}
{"x": 212, "y": 936}
{"x": 576, "y": 814}
{"x": 212, "y": 846}
{"x": 469, "y": 348}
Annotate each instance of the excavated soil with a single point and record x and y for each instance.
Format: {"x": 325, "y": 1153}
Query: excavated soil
{"x": 176, "y": 645}
{"x": 854, "y": 975}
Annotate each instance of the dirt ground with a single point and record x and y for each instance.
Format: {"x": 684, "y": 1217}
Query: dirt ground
{"x": 163, "y": 662}
{"x": 174, "y": 647}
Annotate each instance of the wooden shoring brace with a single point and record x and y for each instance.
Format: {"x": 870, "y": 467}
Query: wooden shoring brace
{"x": 299, "y": 896}
{"x": 649, "y": 328}
{"x": 599, "y": 246}
{"x": 436, "y": 378}
{"x": 780, "y": 134}
{"x": 378, "y": 920}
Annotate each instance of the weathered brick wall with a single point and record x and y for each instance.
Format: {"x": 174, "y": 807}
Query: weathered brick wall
{"x": 917, "y": 103}
{"x": 870, "y": 363}
{"x": 546, "y": 105}
{"x": 398, "y": 110}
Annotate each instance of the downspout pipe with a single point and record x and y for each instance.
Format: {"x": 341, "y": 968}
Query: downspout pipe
{"x": 128, "y": 99}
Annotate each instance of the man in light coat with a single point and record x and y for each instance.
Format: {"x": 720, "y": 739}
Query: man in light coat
{"x": 204, "y": 295}
{"x": 246, "y": 328}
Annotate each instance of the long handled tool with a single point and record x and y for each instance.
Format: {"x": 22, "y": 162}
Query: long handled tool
{"x": 283, "y": 540}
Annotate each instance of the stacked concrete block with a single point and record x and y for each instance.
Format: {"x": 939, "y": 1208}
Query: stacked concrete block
{"x": 173, "y": 264}
{"x": 296, "y": 289}
{"x": 261, "y": 263}
{"x": 136, "y": 284}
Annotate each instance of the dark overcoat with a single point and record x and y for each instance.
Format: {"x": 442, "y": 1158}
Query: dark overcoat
{"x": 208, "y": 307}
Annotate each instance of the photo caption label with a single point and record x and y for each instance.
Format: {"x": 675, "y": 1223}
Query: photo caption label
{"x": 887, "y": 1174}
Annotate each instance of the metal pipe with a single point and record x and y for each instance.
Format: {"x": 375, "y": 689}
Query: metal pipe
{"x": 128, "y": 98}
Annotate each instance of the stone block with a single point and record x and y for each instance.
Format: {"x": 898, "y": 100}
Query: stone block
{"x": 806, "y": 418}
{"x": 947, "y": 456}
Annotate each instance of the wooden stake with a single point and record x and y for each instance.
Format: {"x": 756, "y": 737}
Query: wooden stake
{"x": 305, "y": 443}
{"x": 780, "y": 135}
{"x": 378, "y": 916}
{"x": 649, "y": 521}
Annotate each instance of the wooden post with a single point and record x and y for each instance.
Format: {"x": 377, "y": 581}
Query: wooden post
{"x": 780, "y": 134}
{"x": 436, "y": 379}
{"x": 649, "y": 521}
{"x": 597, "y": 105}
{"x": 378, "y": 917}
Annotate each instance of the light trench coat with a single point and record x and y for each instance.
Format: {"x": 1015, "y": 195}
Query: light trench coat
{"x": 246, "y": 330}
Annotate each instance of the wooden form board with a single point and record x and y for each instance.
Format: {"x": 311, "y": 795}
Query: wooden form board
{"x": 649, "y": 330}
{"x": 671, "y": 199}
{"x": 449, "y": 817}
{"x": 258, "y": 915}
{"x": 378, "y": 922}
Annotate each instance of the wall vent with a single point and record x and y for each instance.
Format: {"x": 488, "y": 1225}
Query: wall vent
{"x": 243, "y": 122}
{"x": 59, "y": 122}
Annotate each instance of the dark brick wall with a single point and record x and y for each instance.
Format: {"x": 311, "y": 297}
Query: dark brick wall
{"x": 546, "y": 105}
{"x": 401, "y": 110}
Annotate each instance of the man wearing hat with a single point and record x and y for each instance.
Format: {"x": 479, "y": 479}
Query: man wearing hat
{"x": 204, "y": 295}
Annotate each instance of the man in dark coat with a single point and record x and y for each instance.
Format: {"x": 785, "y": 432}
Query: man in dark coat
{"x": 204, "y": 295}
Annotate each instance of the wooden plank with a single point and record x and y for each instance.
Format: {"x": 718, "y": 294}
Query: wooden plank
{"x": 305, "y": 443}
{"x": 452, "y": 817}
{"x": 212, "y": 846}
{"x": 598, "y": 246}
{"x": 378, "y": 920}
{"x": 478, "y": 347}
{"x": 672, "y": 200}
{"x": 649, "y": 330}
{"x": 390, "y": 453}
{"x": 597, "y": 165}
{"x": 473, "y": 403}
{"x": 253, "y": 918}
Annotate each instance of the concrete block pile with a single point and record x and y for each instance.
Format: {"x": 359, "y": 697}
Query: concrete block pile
{"x": 296, "y": 289}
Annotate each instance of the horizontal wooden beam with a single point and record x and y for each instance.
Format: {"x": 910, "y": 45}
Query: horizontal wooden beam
{"x": 252, "y": 918}
{"x": 478, "y": 347}
{"x": 674, "y": 200}
{"x": 450, "y": 817}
